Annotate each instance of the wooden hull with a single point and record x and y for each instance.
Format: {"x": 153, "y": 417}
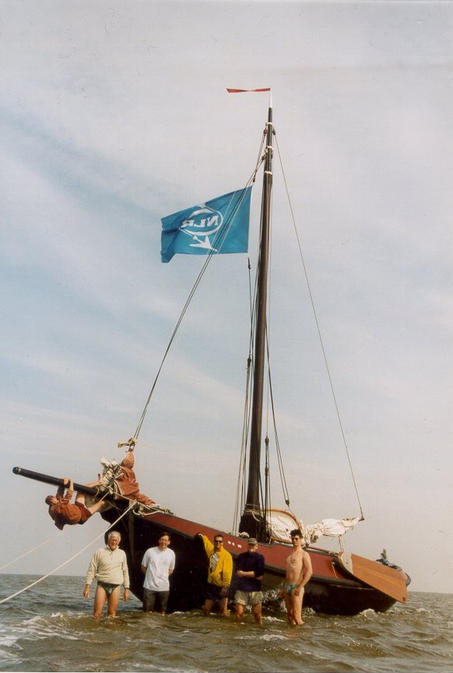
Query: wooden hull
{"x": 332, "y": 589}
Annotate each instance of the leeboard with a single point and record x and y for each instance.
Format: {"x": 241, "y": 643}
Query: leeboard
{"x": 376, "y": 575}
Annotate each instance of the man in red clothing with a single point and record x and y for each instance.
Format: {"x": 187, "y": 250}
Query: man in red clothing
{"x": 127, "y": 482}
{"x": 64, "y": 512}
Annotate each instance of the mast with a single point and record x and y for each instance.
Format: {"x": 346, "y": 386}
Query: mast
{"x": 252, "y": 521}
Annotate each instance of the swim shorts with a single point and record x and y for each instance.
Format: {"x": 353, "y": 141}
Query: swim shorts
{"x": 213, "y": 592}
{"x": 289, "y": 588}
{"x": 108, "y": 588}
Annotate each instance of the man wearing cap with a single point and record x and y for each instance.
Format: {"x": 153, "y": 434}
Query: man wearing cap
{"x": 249, "y": 571}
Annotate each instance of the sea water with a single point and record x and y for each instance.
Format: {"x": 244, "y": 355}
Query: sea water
{"x": 49, "y": 628}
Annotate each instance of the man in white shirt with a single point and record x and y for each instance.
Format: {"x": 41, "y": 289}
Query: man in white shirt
{"x": 157, "y": 565}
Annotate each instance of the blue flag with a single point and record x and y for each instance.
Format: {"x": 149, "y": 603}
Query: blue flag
{"x": 215, "y": 227}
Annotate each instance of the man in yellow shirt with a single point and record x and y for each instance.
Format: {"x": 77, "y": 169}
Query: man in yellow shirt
{"x": 219, "y": 574}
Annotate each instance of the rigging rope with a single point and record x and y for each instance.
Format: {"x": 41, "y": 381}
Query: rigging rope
{"x": 318, "y": 328}
{"x": 250, "y": 181}
{"x": 267, "y": 497}
{"x": 240, "y": 492}
{"x": 41, "y": 544}
{"x": 281, "y": 468}
{"x": 68, "y": 560}
{"x": 242, "y": 486}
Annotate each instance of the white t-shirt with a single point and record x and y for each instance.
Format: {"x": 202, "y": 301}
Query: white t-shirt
{"x": 157, "y": 564}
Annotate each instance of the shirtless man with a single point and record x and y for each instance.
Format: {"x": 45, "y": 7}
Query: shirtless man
{"x": 298, "y": 573}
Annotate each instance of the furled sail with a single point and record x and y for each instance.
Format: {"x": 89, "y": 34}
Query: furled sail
{"x": 281, "y": 523}
{"x": 329, "y": 528}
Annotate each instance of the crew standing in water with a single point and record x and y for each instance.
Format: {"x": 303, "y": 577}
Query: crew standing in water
{"x": 158, "y": 564}
{"x": 220, "y": 573}
{"x": 298, "y": 573}
{"x": 109, "y": 567}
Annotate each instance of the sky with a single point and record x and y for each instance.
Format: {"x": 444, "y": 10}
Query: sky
{"x": 115, "y": 114}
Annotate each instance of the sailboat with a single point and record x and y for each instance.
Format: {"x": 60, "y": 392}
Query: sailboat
{"x": 342, "y": 583}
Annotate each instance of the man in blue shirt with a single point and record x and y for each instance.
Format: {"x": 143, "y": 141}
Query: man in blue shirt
{"x": 249, "y": 571}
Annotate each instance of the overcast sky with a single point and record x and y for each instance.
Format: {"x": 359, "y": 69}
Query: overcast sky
{"x": 114, "y": 114}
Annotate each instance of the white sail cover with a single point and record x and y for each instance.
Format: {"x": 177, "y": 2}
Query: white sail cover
{"x": 329, "y": 527}
{"x": 282, "y": 522}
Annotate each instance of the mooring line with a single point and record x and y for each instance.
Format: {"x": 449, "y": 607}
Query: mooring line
{"x": 69, "y": 560}
{"x": 41, "y": 544}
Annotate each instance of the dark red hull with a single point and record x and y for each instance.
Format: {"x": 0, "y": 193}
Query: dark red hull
{"x": 331, "y": 590}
